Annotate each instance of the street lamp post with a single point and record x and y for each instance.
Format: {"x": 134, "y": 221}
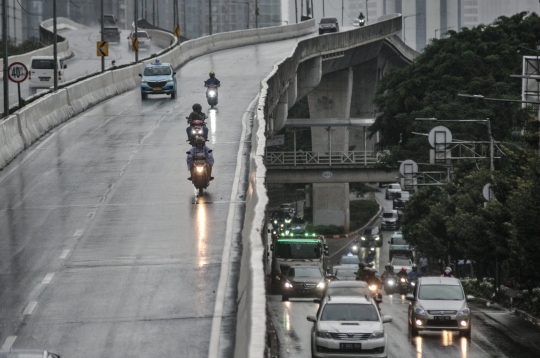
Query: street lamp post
{"x": 404, "y": 27}
{"x": 5, "y": 57}
{"x": 55, "y": 49}
{"x": 102, "y": 35}
{"x": 446, "y": 28}
{"x": 210, "y": 16}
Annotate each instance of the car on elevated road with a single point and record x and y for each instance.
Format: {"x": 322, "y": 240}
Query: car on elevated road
{"x": 158, "y": 78}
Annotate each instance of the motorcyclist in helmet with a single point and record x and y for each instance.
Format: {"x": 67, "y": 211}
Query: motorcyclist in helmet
{"x": 370, "y": 256}
{"x": 388, "y": 271}
{"x": 447, "y": 272}
{"x": 371, "y": 266}
{"x": 402, "y": 272}
{"x": 200, "y": 150}
{"x": 415, "y": 273}
{"x": 197, "y": 114}
{"x": 371, "y": 277}
{"x": 212, "y": 80}
{"x": 361, "y": 274}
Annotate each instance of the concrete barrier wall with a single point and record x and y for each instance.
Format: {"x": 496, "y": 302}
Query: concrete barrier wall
{"x": 63, "y": 48}
{"x": 11, "y": 142}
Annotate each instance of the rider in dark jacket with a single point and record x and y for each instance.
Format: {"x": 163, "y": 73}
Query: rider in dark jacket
{"x": 415, "y": 273}
{"x": 212, "y": 80}
{"x": 197, "y": 114}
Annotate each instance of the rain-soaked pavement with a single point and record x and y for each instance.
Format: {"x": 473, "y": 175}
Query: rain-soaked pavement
{"x": 105, "y": 249}
{"x": 496, "y": 332}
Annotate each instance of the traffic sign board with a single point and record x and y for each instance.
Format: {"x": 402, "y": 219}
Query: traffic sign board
{"x": 102, "y": 48}
{"x": 17, "y": 72}
{"x": 177, "y": 31}
{"x": 134, "y": 44}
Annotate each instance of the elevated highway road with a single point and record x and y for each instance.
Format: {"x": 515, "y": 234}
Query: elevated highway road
{"x": 105, "y": 249}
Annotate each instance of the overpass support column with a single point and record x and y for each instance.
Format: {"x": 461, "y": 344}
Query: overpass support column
{"x": 331, "y": 99}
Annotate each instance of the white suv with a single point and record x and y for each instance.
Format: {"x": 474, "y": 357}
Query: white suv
{"x": 348, "y": 326}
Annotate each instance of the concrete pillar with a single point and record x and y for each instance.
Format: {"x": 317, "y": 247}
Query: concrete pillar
{"x": 331, "y": 205}
{"x": 292, "y": 92}
{"x": 331, "y": 99}
{"x": 308, "y": 76}
{"x": 281, "y": 112}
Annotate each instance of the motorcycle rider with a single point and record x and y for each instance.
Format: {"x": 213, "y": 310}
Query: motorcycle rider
{"x": 402, "y": 273}
{"x": 415, "y": 273}
{"x": 202, "y": 151}
{"x": 212, "y": 80}
{"x": 361, "y": 274}
{"x": 388, "y": 272}
{"x": 447, "y": 272}
{"x": 370, "y": 256}
{"x": 197, "y": 115}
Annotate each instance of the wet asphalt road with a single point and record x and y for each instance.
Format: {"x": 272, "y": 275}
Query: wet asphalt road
{"x": 84, "y": 61}
{"x": 105, "y": 249}
{"x": 496, "y": 332}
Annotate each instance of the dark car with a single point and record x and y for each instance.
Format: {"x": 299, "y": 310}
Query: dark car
{"x": 400, "y": 199}
{"x": 303, "y": 281}
{"x": 111, "y": 34}
{"x": 108, "y": 20}
{"x": 371, "y": 236}
{"x": 328, "y": 24}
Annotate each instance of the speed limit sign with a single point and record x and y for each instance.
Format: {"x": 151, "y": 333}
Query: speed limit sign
{"x": 17, "y": 72}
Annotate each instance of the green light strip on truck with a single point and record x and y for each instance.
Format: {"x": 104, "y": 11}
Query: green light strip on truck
{"x": 301, "y": 241}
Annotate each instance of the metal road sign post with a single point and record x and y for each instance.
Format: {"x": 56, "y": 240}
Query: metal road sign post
{"x": 102, "y": 48}
{"x": 17, "y": 72}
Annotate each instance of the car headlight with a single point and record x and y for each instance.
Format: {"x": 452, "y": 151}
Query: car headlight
{"x": 363, "y": 238}
{"x": 372, "y": 287}
{"x": 144, "y": 81}
{"x": 288, "y": 285}
{"x": 376, "y": 238}
{"x": 275, "y": 221}
{"x": 355, "y": 248}
{"x": 288, "y": 221}
{"x": 320, "y": 284}
{"x": 170, "y": 79}
{"x": 419, "y": 310}
{"x": 324, "y": 334}
{"x": 377, "y": 335}
{"x": 464, "y": 312}
{"x": 200, "y": 169}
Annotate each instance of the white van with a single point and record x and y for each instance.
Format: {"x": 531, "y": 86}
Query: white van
{"x": 41, "y": 72}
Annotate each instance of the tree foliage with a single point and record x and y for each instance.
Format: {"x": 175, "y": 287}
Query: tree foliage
{"x": 454, "y": 219}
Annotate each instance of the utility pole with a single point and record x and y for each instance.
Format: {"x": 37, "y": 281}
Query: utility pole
{"x": 55, "y": 48}
{"x": 185, "y": 18}
{"x": 136, "y": 30}
{"x": 102, "y": 30}
{"x": 5, "y": 56}
{"x": 256, "y": 14}
{"x": 210, "y": 16}
{"x": 323, "y": 10}
{"x": 296, "y": 10}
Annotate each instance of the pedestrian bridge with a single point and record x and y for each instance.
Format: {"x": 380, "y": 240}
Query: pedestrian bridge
{"x": 275, "y": 160}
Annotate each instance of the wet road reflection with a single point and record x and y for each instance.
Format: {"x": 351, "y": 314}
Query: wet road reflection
{"x": 212, "y": 114}
{"x": 201, "y": 234}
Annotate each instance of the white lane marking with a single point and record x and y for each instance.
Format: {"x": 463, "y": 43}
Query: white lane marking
{"x": 213, "y": 350}
{"x": 9, "y": 342}
{"x": 64, "y": 254}
{"x": 30, "y": 307}
{"x": 48, "y": 278}
{"x": 91, "y": 215}
{"x": 78, "y": 233}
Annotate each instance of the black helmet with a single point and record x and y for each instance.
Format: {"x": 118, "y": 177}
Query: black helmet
{"x": 361, "y": 265}
{"x": 212, "y": 74}
{"x": 200, "y": 140}
{"x": 414, "y": 267}
{"x": 197, "y": 107}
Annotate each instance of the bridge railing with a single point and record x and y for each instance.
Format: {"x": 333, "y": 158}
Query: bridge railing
{"x": 301, "y": 158}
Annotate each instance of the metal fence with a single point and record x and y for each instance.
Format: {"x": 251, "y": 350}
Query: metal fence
{"x": 301, "y": 158}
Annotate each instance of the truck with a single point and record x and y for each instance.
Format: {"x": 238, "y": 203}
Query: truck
{"x": 296, "y": 250}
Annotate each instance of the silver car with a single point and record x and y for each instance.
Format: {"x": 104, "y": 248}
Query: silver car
{"x": 26, "y": 353}
{"x": 437, "y": 304}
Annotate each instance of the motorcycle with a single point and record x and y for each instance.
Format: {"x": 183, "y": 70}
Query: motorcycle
{"x": 197, "y": 128}
{"x": 200, "y": 176}
{"x": 412, "y": 284}
{"x": 370, "y": 256}
{"x": 212, "y": 95}
{"x": 403, "y": 286}
{"x": 390, "y": 284}
{"x": 377, "y": 297}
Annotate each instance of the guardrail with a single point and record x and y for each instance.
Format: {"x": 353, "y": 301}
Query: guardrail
{"x": 321, "y": 158}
